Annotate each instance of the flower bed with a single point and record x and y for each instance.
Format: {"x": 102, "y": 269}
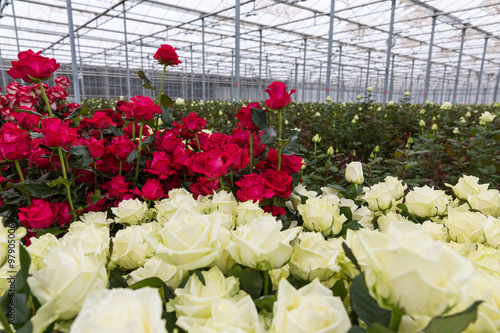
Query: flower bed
{"x": 136, "y": 224}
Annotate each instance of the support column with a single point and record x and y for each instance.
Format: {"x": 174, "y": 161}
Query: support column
{"x": 106, "y": 77}
{"x": 496, "y": 88}
{"x": 481, "y": 70}
{"x": 126, "y": 50}
{"x": 458, "y": 66}
{"x": 391, "y": 86}
{"x": 411, "y": 76}
{"x": 203, "y": 57}
{"x": 237, "y": 51}
{"x": 4, "y": 78}
{"x": 15, "y": 25}
{"x": 217, "y": 93}
{"x": 267, "y": 66}
{"x": 467, "y": 95}
{"x": 442, "y": 86}
{"x": 329, "y": 57}
{"x": 260, "y": 63}
{"x": 81, "y": 65}
{"x": 304, "y": 73}
{"x": 429, "y": 58}
{"x": 338, "y": 79}
{"x": 142, "y": 68}
{"x": 389, "y": 49}
{"x": 367, "y": 70}
{"x": 319, "y": 81}
{"x": 232, "y": 76}
{"x": 192, "y": 73}
{"x": 296, "y": 74}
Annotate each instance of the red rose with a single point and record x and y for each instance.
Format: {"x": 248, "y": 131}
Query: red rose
{"x": 125, "y": 108}
{"x": 121, "y": 147}
{"x": 128, "y": 129}
{"x": 161, "y": 165}
{"x": 97, "y": 206}
{"x": 240, "y": 156}
{"x": 245, "y": 117}
{"x": 32, "y": 66}
{"x": 166, "y": 55}
{"x": 253, "y": 187}
{"x": 204, "y": 186}
{"x": 143, "y": 108}
{"x": 215, "y": 141}
{"x": 64, "y": 216}
{"x": 56, "y": 93}
{"x": 211, "y": 164}
{"x": 168, "y": 141}
{"x": 180, "y": 157}
{"x": 278, "y": 96}
{"x": 39, "y": 215}
{"x": 242, "y": 138}
{"x": 25, "y": 102}
{"x": 96, "y": 147}
{"x": 14, "y": 87}
{"x": 57, "y": 133}
{"x": 291, "y": 164}
{"x": 62, "y": 82}
{"x": 151, "y": 190}
{"x": 116, "y": 187}
{"x": 36, "y": 159}
{"x": 101, "y": 121}
{"x": 281, "y": 183}
{"x": 275, "y": 210}
{"x": 14, "y": 142}
{"x": 26, "y": 120}
{"x": 193, "y": 122}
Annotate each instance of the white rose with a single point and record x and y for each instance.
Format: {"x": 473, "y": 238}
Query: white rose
{"x": 364, "y": 216}
{"x": 446, "y": 106}
{"x": 487, "y": 202}
{"x": 487, "y": 259}
{"x": 64, "y": 282}
{"x": 193, "y": 303}
{"x": 492, "y": 231}
{"x": 232, "y": 315}
{"x": 312, "y": 308}
{"x": 384, "y": 195}
{"x": 189, "y": 240}
{"x": 318, "y": 215}
{"x": 354, "y": 173}
{"x": 225, "y": 202}
{"x": 426, "y": 202}
{"x": 465, "y": 226}
{"x": 466, "y": 186}
{"x": 155, "y": 267}
{"x": 131, "y": 211}
{"x": 437, "y": 230}
{"x": 9, "y": 239}
{"x": 300, "y": 189}
{"x": 7, "y": 274}
{"x": 130, "y": 250}
{"x": 92, "y": 237}
{"x": 39, "y": 248}
{"x": 408, "y": 269}
{"x": 260, "y": 244}
{"x": 177, "y": 198}
{"x": 314, "y": 257}
{"x": 487, "y": 117}
{"x": 247, "y": 212}
{"x": 180, "y": 101}
{"x": 225, "y": 220}
{"x": 121, "y": 311}
{"x": 98, "y": 218}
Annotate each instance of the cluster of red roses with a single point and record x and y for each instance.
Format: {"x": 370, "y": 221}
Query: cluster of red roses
{"x": 184, "y": 154}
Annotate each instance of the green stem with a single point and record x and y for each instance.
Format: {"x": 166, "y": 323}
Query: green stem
{"x": 95, "y": 175}
{"x": 102, "y": 136}
{"x": 47, "y": 104}
{"x": 5, "y": 323}
{"x": 279, "y": 139}
{"x": 251, "y": 151}
{"x": 395, "y": 319}
{"x": 133, "y": 129}
{"x": 161, "y": 85}
{"x": 65, "y": 175}
{"x": 159, "y": 104}
{"x": 120, "y": 168}
{"x": 138, "y": 153}
{"x": 19, "y": 170}
{"x": 232, "y": 175}
{"x": 315, "y": 160}
{"x": 266, "y": 282}
{"x": 197, "y": 141}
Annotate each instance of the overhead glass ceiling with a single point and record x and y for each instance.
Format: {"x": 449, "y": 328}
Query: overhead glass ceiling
{"x": 361, "y": 27}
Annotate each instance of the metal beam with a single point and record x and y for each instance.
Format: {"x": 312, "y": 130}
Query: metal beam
{"x": 203, "y": 58}
{"x": 367, "y": 70}
{"x": 76, "y": 84}
{"x": 389, "y": 49}
{"x": 481, "y": 71}
{"x": 126, "y": 50}
{"x": 429, "y": 58}
{"x": 304, "y": 73}
{"x": 496, "y": 88}
{"x": 329, "y": 56}
{"x": 237, "y": 50}
{"x": 458, "y": 65}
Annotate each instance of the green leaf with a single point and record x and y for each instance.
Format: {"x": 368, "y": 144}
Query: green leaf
{"x": 339, "y": 289}
{"x": 166, "y": 101}
{"x": 41, "y": 190}
{"x": 455, "y": 323}
{"x": 115, "y": 130}
{"x": 352, "y": 225}
{"x": 303, "y": 198}
{"x": 200, "y": 276}
{"x": 58, "y": 181}
{"x": 260, "y": 120}
{"x": 337, "y": 187}
{"x": 134, "y": 154}
{"x": 377, "y": 328}
{"x": 356, "y": 329}
{"x": 350, "y": 255}
{"x": 346, "y": 211}
{"x": 153, "y": 282}
{"x": 147, "y": 82}
{"x": 289, "y": 148}
{"x": 116, "y": 279}
{"x": 265, "y": 302}
{"x": 365, "y": 306}
{"x": 28, "y": 111}
{"x": 80, "y": 157}
{"x": 75, "y": 113}
{"x": 251, "y": 282}
{"x": 166, "y": 117}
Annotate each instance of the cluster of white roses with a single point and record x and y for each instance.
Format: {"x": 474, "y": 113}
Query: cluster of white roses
{"x": 426, "y": 269}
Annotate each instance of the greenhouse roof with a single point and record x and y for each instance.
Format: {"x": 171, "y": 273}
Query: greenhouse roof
{"x": 360, "y": 33}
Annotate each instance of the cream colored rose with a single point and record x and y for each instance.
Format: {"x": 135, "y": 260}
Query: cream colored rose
{"x": 320, "y": 216}
{"x": 121, "y": 311}
{"x": 405, "y": 267}
{"x": 261, "y": 244}
{"x": 354, "y": 173}
{"x": 64, "y": 282}
{"x": 193, "y": 303}
{"x": 92, "y": 237}
{"x": 426, "y": 201}
{"x": 131, "y": 211}
{"x": 446, "y": 106}
{"x": 39, "y": 248}
{"x": 247, "y": 212}
{"x": 492, "y": 232}
{"x": 466, "y": 186}
{"x": 98, "y": 218}
{"x": 180, "y": 101}
{"x": 364, "y": 216}
{"x": 465, "y": 226}
{"x": 487, "y": 117}
{"x": 9, "y": 239}
{"x": 188, "y": 240}
{"x": 487, "y": 202}
{"x": 486, "y": 258}
{"x": 225, "y": 202}
{"x": 177, "y": 198}
{"x": 130, "y": 249}
{"x": 225, "y": 220}
{"x": 7, "y": 271}
{"x": 384, "y": 195}
{"x": 312, "y": 308}
{"x": 300, "y": 189}
{"x": 437, "y": 230}
{"x": 232, "y": 315}
{"x": 155, "y": 267}
{"x": 314, "y": 257}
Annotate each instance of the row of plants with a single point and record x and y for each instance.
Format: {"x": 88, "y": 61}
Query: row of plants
{"x": 208, "y": 225}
